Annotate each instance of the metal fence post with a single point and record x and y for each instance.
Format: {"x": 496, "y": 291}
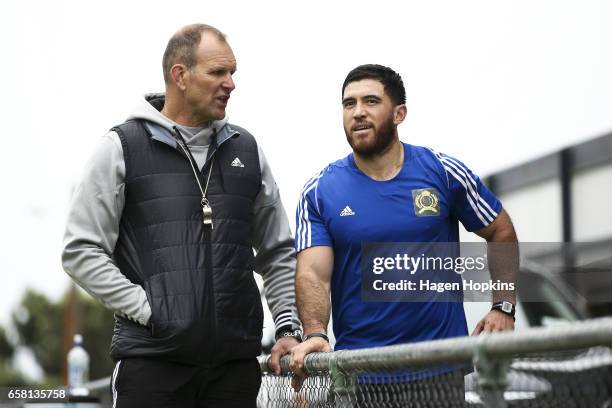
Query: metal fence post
{"x": 492, "y": 372}
{"x": 343, "y": 384}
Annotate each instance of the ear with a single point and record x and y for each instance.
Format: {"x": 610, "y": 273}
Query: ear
{"x": 399, "y": 114}
{"x": 178, "y": 72}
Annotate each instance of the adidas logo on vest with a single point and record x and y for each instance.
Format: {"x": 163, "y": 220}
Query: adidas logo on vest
{"x": 347, "y": 211}
{"x": 237, "y": 163}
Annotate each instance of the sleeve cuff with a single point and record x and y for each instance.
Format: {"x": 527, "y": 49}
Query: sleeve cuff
{"x": 283, "y": 319}
{"x": 145, "y": 316}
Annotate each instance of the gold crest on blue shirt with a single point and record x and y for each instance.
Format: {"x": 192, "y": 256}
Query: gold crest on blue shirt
{"x": 426, "y": 202}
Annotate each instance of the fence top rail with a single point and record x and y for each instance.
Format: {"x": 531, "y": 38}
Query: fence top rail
{"x": 587, "y": 333}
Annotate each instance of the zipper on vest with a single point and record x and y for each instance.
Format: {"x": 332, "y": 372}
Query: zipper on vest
{"x": 207, "y": 220}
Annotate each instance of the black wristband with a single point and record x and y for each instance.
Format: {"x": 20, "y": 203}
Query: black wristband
{"x": 321, "y": 335}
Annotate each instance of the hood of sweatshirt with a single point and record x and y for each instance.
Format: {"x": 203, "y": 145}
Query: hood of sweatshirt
{"x": 162, "y": 128}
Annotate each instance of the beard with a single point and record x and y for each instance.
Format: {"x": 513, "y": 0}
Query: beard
{"x": 383, "y": 138}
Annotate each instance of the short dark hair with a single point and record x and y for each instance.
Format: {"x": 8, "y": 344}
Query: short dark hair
{"x": 181, "y": 48}
{"x": 391, "y": 80}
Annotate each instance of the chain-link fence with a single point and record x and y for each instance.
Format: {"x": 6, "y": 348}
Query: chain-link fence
{"x": 568, "y": 366}
{"x": 371, "y": 389}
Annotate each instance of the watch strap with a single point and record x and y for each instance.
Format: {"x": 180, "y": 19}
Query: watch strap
{"x": 321, "y": 335}
{"x": 295, "y": 333}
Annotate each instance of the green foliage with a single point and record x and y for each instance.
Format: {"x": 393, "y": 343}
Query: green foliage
{"x": 10, "y": 377}
{"x": 6, "y": 349}
{"x": 40, "y": 326}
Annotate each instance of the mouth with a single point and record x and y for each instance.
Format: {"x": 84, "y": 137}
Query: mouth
{"x": 361, "y": 127}
{"x": 223, "y": 99}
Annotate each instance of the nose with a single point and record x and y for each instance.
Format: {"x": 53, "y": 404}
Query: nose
{"x": 228, "y": 83}
{"x": 359, "y": 111}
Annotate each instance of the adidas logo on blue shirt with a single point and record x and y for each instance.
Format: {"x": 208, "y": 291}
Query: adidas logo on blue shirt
{"x": 347, "y": 211}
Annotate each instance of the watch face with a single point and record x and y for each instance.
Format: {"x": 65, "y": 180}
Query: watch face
{"x": 507, "y": 307}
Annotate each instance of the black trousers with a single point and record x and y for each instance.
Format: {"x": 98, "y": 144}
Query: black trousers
{"x": 151, "y": 383}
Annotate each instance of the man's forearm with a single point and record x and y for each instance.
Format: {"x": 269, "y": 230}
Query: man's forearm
{"x": 503, "y": 254}
{"x": 273, "y": 241}
{"x": 313, "y": 301}
{"x": 275, "y": 262}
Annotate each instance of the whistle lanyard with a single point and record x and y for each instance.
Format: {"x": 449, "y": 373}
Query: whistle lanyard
{"x": 206, "y": 208}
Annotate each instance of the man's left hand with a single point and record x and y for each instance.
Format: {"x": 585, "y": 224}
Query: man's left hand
{"x": 283, "y": 346}
{"x": 494, "y": 321}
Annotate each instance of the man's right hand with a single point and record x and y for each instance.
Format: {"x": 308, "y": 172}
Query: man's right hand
{"x": 299, "y": 352}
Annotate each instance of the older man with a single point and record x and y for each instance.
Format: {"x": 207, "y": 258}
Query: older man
{"x": 162, "y": 229}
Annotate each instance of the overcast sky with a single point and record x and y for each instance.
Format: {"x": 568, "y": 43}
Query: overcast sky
{"x": 494, "y": 83}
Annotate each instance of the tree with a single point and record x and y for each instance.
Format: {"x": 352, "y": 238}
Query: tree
{"x": 6, "y": 348}
{"x": 40, "y": 326}
{"x": 8, "y": 376}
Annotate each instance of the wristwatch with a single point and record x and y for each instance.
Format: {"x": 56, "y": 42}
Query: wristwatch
{"x": 296, "y": 334}
{"x": 505, "y": 307}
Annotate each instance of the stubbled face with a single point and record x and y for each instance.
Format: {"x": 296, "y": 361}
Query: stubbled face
{"x": 368, "y": 116}
{"x": 209, "y": 83}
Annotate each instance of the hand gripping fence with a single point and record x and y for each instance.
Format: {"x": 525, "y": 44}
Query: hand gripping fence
{"x": 564, "y": 366}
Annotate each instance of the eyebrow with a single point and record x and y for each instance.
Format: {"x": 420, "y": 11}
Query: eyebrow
{"x": 372, "y": 96}
{"x": 233, "y": 68}
{"x": 352, "y": 98}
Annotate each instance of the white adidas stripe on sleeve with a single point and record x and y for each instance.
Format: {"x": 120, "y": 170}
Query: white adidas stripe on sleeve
{"x": 473, "y": 182}
{"x": 470, "y": 190}
{"x": 304, "y": 233}
{"x": 486, "y": 214}
{"x": 468, "y": 196}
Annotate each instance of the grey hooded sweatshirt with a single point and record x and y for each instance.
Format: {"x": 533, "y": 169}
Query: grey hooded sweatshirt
{"x": 97, "y": 204}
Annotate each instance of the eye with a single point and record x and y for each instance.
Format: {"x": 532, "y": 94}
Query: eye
{"x": 348, "y": 104}
{"x": 372, "y": 101}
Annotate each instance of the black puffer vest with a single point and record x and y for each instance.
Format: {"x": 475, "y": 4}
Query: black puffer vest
{"x": 206, "y": 308}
